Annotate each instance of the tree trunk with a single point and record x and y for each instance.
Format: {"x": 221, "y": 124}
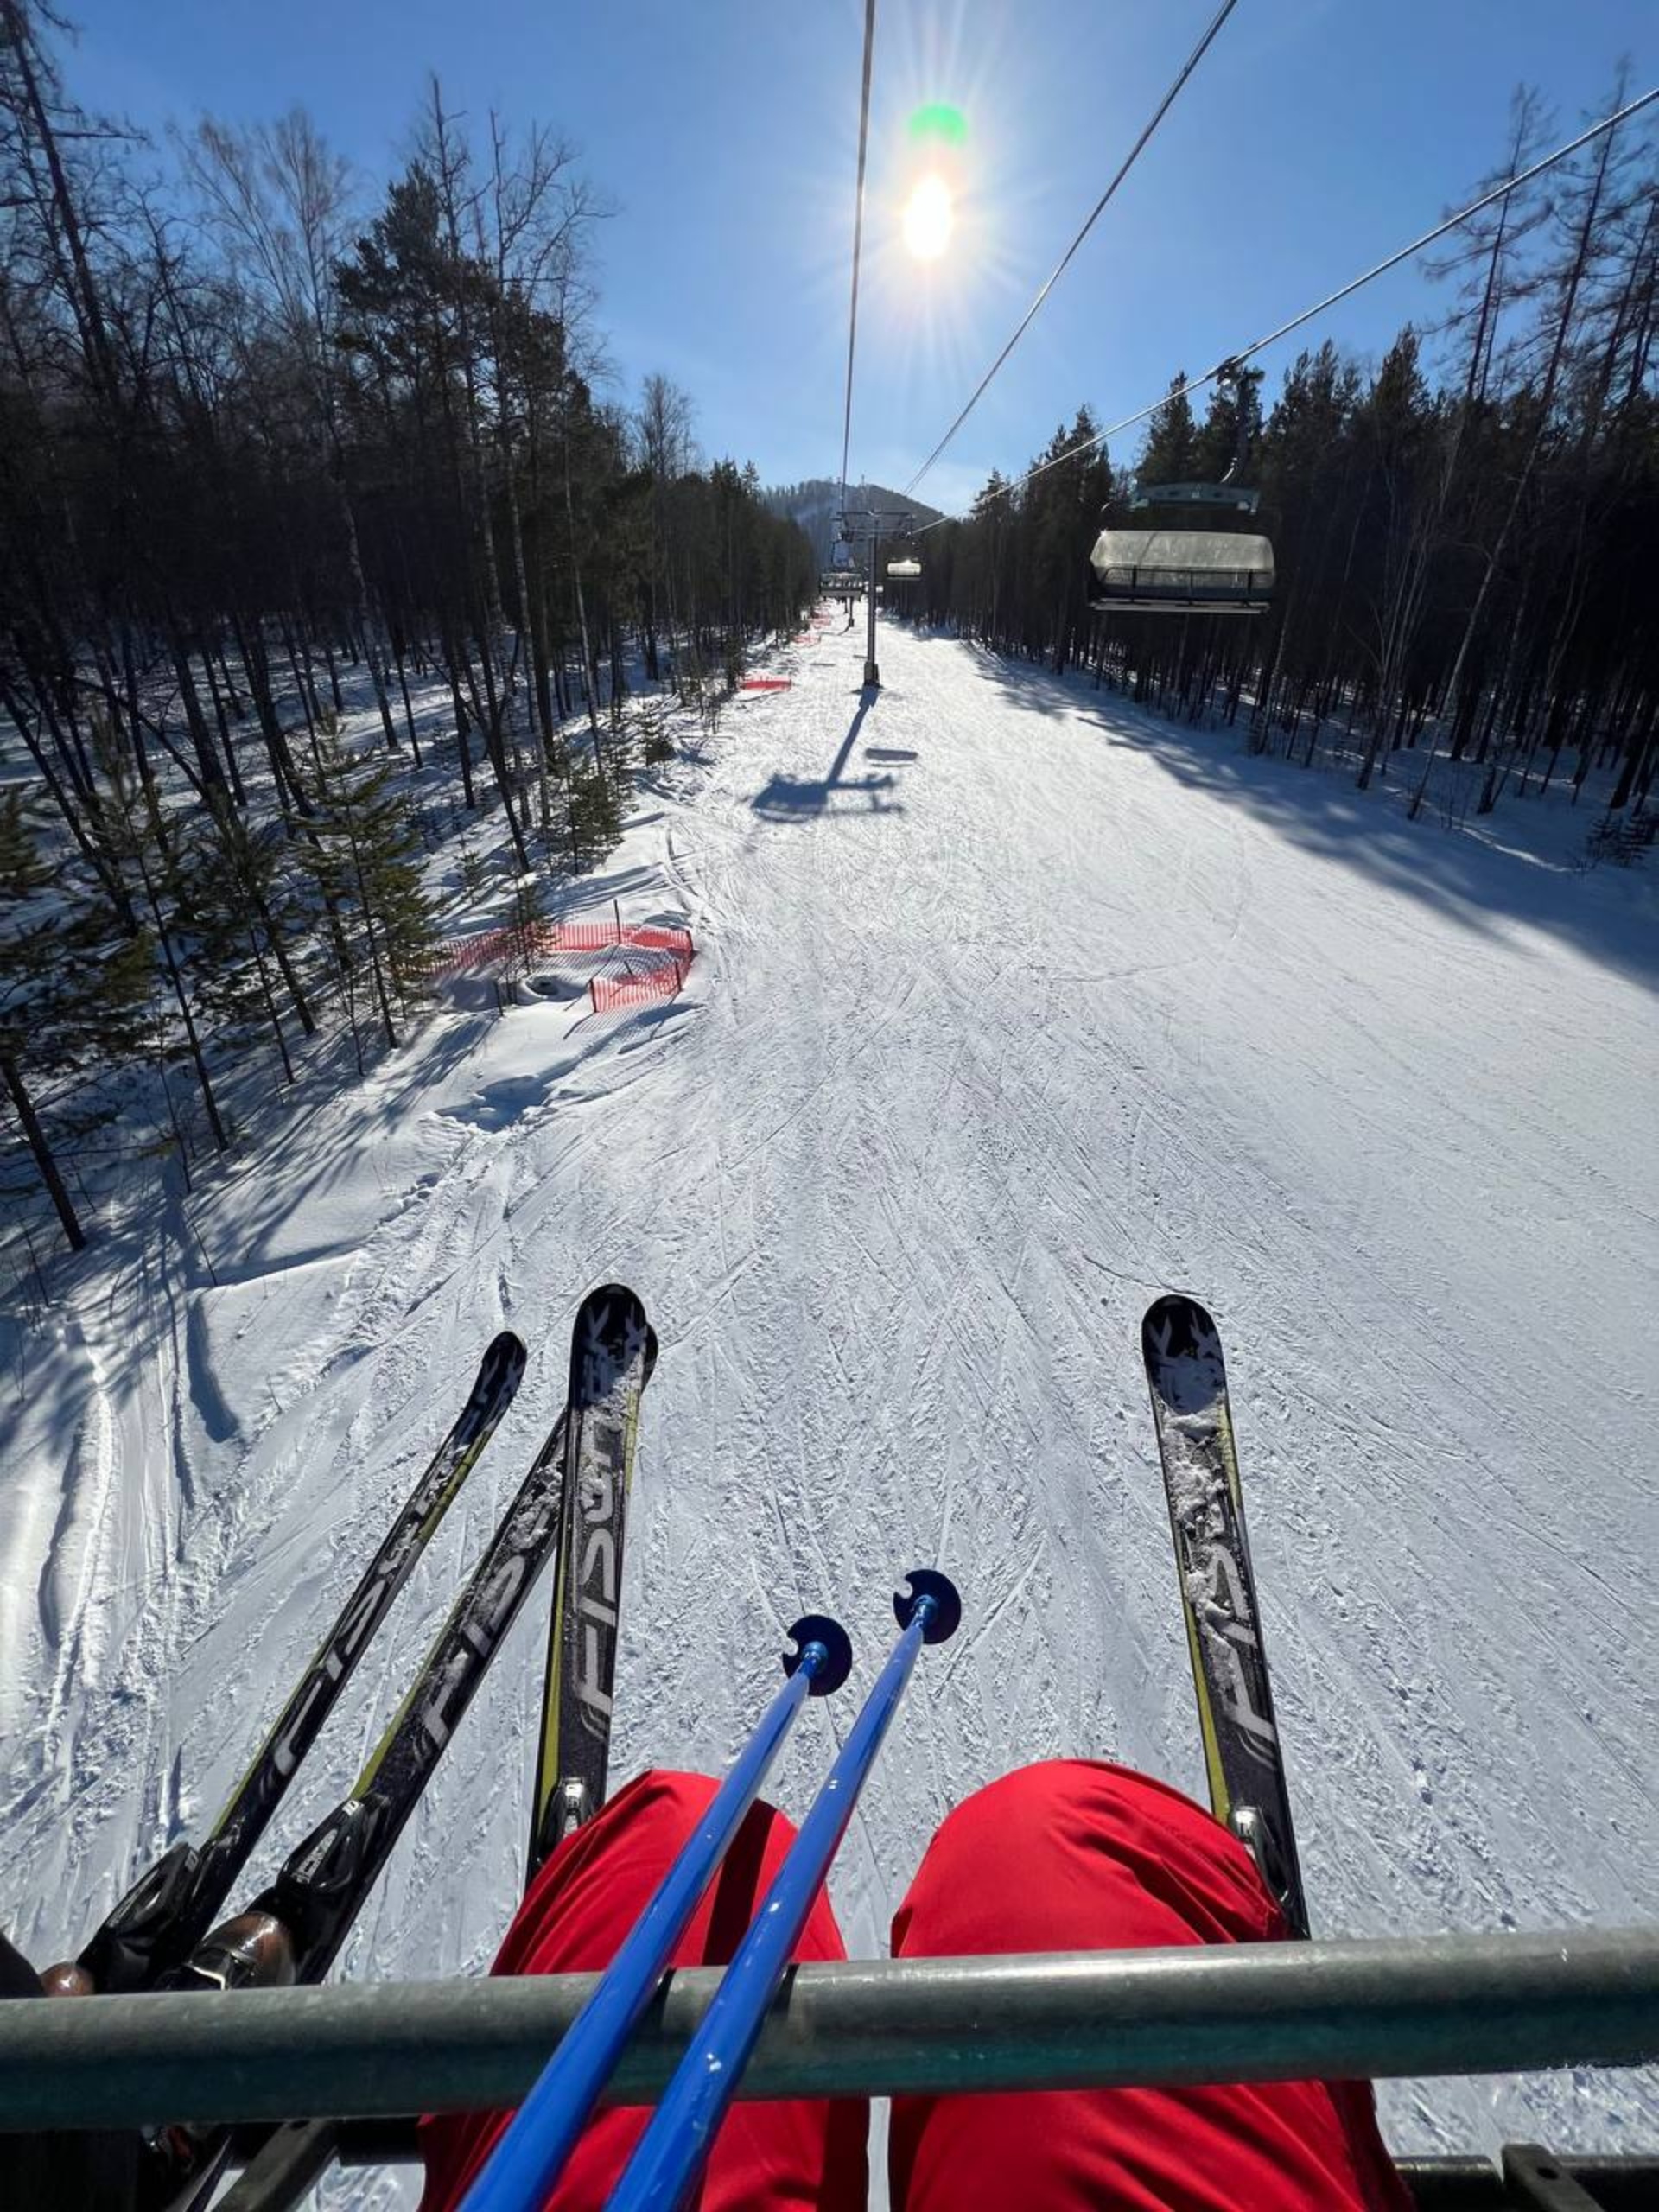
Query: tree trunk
{"x": 220, "y": 1141}
{"x": 271, "y": 1014}
{"x": 35, "y": 1137}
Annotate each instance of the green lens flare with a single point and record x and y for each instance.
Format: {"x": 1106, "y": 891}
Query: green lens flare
{"x": 937, "y": 121}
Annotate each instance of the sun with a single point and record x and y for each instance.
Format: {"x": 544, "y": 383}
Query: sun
{"x": 930, "y": 218}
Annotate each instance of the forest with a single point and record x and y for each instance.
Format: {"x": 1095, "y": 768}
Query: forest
{"x": 275, "y": 451}
{"x": 267, "y": 452}
{"x": 1465, "y": 536}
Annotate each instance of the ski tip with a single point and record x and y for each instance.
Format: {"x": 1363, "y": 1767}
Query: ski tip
{"x": 819, "y": 1628}
{"x": 611, "y": 1308}
{"x": 946, "y": 1616}
{"x": 508, "y": 1346}
{"x": 1176, "y": 1323}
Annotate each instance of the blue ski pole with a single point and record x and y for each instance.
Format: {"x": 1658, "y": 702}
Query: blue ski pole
{"x": 532, "y": 2155}
{"x": 671, "y": 2154}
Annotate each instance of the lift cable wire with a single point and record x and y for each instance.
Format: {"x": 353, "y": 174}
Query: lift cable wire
{"x": 1058, "y": 271}
{"x": 1233, "y": 361}
{"x": 858, "y": 236}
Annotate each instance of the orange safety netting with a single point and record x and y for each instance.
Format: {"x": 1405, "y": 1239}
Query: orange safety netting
{"x": 516, "y": 945}
{"x": 609, "y": 992}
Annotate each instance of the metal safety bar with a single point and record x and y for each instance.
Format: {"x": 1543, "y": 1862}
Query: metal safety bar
{"x": 1155, "y": 589}
{"x": 1351, "y": 2009}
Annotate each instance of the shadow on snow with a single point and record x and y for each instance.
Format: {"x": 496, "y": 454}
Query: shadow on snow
{"x": 1467, "y": 874}
{"x": 787, "y": 797}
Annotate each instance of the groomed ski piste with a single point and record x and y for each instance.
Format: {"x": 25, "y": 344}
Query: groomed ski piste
{"x": 1012, "y": 1007}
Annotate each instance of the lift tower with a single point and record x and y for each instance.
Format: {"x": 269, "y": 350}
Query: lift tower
{"x": 868, "y": 526}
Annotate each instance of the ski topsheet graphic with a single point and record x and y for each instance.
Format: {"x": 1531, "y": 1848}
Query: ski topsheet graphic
{"x": 325, "y": 1880}
{"x": 613, "y": 1350}
{"x": 1188, "y": 1381}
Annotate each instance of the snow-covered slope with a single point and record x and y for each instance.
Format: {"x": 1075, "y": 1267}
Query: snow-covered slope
{"x": 1012, "y": 1007}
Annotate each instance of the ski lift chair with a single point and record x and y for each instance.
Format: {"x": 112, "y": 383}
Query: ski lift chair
{"x": 1186, "y": 548}
{"x": 1181, "y": 551}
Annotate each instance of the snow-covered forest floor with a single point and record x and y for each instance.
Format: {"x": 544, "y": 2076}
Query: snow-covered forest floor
{"x": 1013, "y": 1006}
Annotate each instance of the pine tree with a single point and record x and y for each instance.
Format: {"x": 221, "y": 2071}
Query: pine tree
{"x": 1170, "y": 455}
{"x": 73, "y": 985}
{"x": 247, "y": 925}
{"x": 367, "y": 862}
{"x": 1060, "y": 518}
{"x": 657, "y": 745}
{"x": 595, "y": 808}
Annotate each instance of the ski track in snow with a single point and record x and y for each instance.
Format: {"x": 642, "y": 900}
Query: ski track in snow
{"x": 1012, "y": 1006}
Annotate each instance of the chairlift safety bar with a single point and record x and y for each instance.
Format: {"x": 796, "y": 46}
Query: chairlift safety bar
{"x": 1347, "y": 2009}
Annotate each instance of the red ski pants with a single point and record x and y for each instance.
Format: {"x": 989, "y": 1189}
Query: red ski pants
{"x": 1073, "y": 1854}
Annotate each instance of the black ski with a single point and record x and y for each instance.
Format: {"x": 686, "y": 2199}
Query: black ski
{"x": 1242, "y": 1752}
{"x": 171, "y": 1907}
{"x": 323, "y": 1884}
{"x": 294, "y": 1931}
{"x": 612, "y": 1351}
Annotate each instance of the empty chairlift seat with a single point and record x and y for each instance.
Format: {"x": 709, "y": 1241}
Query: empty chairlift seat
{"x": 1183, "y": 548}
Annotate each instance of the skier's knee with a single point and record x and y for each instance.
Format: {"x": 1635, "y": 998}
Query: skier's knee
{"x": 666, "y": 1793}
{"x": 1024, "y": 1806}
{"x": 1009, "y": 1820}
{"x": 1023, "y": 1820}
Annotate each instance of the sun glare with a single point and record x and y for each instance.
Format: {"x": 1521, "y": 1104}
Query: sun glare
{"x": 930, "y": 218}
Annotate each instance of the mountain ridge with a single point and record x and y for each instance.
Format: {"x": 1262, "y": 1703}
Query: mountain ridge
{"x": 815, "y": 502}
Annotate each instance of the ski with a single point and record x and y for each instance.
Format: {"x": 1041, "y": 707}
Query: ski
{"x": 1244, "y": 1759}
{"x": 325, "y": 1880}
{"x": 171, "y": 1907}
{"x": 612, "y": 1351}
{"x": 294, "y": 1931}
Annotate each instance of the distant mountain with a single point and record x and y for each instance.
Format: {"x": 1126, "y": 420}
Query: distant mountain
{"x": 815, "y": 503}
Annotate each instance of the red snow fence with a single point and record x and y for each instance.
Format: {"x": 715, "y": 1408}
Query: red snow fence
{"x": 600, "y": 936}
{"x": 765, "y": 684}
{"x": 517, "y": 946}
{"x": 465, "y": 956}
{"x": 639, "y": 987}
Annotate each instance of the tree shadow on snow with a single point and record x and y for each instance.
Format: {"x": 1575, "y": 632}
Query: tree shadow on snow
{"x": 317, "y": 1154}
{"x": 1473, "y": 875}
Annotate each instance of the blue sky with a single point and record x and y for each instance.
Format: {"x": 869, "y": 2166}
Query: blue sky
{"x": 1316, "y": 136}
